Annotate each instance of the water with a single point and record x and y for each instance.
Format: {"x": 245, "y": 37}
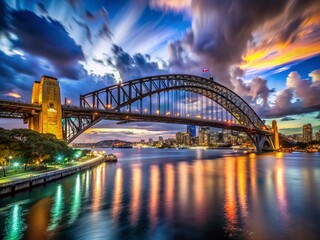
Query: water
{"x": 174, "y": 194}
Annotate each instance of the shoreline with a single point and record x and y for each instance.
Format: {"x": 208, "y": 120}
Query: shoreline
{"x": 25, "y": 183}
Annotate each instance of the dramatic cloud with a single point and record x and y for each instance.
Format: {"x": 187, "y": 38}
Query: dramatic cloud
{"x": 86, "y": 28}
{"x": 300, "y": 96}
{"x": 131, "y": 67}
{"x": 74, "y": 3}
{"x": 18, "y": 73}
{"x": 105, "y": 32}
{"x": 287, "y": 119}
{"x": 3, "y": 18}
{"x": 308, "y": 92}
{"x": 42, "y": 8}
{"x": 47, "y": 38}
{"x": 252, "y": 92}
{"x": 88, "y": 83}
{"x": 222, "y": 42}
{"x": 180, "y": 59}
{"x": 318, "y": 116}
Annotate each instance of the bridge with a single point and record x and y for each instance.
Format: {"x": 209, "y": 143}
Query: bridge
{"x": 174, "y": 98}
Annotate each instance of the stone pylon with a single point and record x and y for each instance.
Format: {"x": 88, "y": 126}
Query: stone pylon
{"x": 276, "y": 141}
{"x": 47, "y": 94}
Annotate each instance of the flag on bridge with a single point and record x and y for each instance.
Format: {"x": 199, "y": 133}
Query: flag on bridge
{"x": 205, "y": 70}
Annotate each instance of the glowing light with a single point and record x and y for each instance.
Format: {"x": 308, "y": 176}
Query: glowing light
{"x": 57, "y": 209}
{"x": 16, "y": 164}
{"x": 158, "y": 112}
{"x": 168, "y": 113}
{"x": 145, "y": 110}
{"x": 117, "y": 196}
{"x": 230, "y": 206}
{"x": 169, "y": 190}
{"x": 136, "y": 193}
{"x": 13, "y": 94}
{"x": 76, "y": 201}
{"x": 154, "y": 193}
{"x": 14, "y": 225}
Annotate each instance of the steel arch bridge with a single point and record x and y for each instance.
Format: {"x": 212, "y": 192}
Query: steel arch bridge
{"x": 174, "y": 98}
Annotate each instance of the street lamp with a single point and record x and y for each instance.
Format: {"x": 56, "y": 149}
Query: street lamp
{"x": 9, "y": 159}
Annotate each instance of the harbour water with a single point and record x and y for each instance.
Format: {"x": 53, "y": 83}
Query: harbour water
{"x": 174, "y": 194}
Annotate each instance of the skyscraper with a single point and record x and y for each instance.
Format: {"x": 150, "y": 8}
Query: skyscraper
{"x": 307, "y": 133}
{"x": 183, "y": 138}
{"x": 204, "y": 136}
{"x": 192, "y": 129}
{"x": 318, "y": 136}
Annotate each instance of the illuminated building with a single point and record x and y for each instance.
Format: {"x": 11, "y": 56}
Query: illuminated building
{"x": 214, "y": 138}
{"x": 307, "y": 133}
{"x": 204, "y": 136}
{"x": 192, "y": 129}
{"x": 183, "y": 138}
{"x": 318, "y": 136}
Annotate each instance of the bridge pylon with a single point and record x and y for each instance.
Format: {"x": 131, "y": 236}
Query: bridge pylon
{"x": 47, "y": 94}
{"x": 275, "y": 139}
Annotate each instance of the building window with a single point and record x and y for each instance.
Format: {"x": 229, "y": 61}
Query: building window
{"x": 51, "y": 105}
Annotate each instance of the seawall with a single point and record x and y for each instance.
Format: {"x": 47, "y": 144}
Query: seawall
{"x": 43, "y": 178}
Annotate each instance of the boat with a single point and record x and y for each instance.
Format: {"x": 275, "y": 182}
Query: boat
{"x": 311, "y": 150}
{"x": 111, "y": 158}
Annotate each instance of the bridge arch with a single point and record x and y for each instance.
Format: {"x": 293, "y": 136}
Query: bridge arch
{"x": 107, "y": 103}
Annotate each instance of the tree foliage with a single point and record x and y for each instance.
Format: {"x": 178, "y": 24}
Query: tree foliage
{"x": 29, "y": 146}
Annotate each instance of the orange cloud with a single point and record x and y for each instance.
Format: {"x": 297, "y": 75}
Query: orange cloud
{"x": 13, "y": 94}
{"x": 176, "y": 5}
{"x": 271, "y": 51}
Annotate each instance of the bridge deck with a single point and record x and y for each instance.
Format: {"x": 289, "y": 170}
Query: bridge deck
{"x": 126, "y": 117}
{"x": 18, "y": 109}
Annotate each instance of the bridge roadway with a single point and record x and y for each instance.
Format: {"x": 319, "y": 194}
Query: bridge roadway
{"x": 126, "y": 117}
{"x": 18, "y": 109}
{"x": 23, "y": 110}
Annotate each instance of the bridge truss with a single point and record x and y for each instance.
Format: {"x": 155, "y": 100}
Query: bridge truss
{"x": 173, "y": 98}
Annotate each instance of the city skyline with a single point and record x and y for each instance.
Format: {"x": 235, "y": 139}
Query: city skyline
{"x": 274, "y": 67}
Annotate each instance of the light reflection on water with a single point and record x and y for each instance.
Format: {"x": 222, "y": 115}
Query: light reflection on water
{"x": 170, "y": 194}
{"x": 14, "y": 225}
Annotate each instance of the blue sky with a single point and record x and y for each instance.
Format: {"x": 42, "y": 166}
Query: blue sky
{"x": 267, "y": 51}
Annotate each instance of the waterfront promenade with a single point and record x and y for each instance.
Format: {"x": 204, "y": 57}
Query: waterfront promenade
{"x": 27, "y": 180}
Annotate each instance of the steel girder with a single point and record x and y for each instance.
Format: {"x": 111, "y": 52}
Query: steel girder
{"x": 106, "y": 103}
{"x": 125, "y": 94}
{"x": 16, "y": 109}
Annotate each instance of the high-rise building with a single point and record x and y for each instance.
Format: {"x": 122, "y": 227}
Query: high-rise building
{"x": 214, "y": 138}
{"x": 226, "y": 136}
{"x": 204, "y": 136}
{"x": 318, "y": 136}
{"x": 192, "y": 129}
{"x": 183, "y": 138}
{"x": 160, "y": 139}
{"x": 307, "y": 133}
{"x": 150, "y": 142}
